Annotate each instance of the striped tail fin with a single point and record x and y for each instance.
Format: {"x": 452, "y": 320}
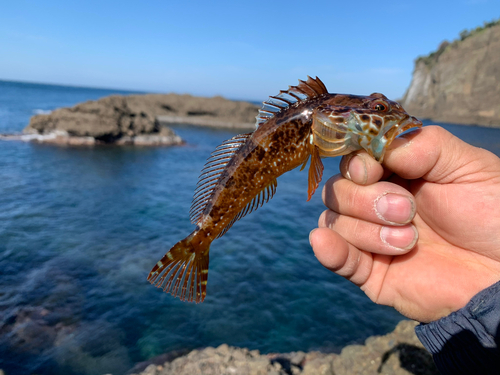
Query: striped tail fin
{"x": 183, "y": 271}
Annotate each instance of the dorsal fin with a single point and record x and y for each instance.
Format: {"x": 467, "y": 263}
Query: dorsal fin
{"x": 305, "y": 90}
{"x": 211, "y": 173}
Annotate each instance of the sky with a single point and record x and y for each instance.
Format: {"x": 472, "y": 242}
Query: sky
{"x": 240, "y": 50}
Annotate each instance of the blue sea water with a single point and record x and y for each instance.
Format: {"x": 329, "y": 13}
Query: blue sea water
{"x": 80, "y": 229}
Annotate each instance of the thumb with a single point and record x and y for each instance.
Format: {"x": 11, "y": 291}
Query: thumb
{"x": 436, "y": 155}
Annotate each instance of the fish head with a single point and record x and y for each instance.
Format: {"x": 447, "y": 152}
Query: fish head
{"x": 377, "y": 122}
{"x": 350, "y": 122}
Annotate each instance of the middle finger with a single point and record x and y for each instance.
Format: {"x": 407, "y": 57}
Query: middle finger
{"x": 374, "y": 238}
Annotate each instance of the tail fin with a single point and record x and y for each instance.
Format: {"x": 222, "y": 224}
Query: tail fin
{"x": 182, "y": 272}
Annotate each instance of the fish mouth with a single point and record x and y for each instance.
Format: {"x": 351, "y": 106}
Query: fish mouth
{"x": 384, "y": 139}
{"x": 398, "y": 129}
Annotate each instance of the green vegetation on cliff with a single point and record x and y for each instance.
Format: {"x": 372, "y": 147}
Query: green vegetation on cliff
{"x": 431, "y": 58}
{"x": 460, "y": 82}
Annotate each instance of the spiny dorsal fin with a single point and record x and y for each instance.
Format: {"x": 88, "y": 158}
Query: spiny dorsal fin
{"x": 262, "y": 197}
{"x": 306, "y": 90}
{"x": 211, "y": 173}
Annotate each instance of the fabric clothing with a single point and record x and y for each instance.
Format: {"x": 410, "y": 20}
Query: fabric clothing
{"x": 468, "y": 340}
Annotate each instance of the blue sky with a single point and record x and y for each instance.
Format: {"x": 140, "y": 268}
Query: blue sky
{"x": 240, "y": 50}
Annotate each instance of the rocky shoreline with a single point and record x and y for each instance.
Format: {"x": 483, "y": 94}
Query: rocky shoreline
{"x": 397, "y": 353}
{"x": 164, "y": 137}
{"x": 140, "y": 120}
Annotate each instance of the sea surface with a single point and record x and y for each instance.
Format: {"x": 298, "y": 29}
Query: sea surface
{"x": 80, "y": 229}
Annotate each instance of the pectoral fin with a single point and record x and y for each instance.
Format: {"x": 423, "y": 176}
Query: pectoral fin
{"x": 315, "y": 171}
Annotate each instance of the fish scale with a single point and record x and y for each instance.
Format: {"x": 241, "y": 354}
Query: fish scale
{"x": 300, "y": 124}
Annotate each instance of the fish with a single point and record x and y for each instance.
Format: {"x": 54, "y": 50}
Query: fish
{"x": 299, "y": 124}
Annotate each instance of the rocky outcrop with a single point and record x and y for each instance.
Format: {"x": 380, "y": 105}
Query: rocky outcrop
{"x": 397, "y": 353}
{"x": 460, "y": 82}
{"x": 136, "y": 119}
{"x": 215, "y": 112}
{"x": 114, "y": 119}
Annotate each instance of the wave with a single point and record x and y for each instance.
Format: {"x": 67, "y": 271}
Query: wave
{"x": 34, "y": 136}
{"x": 42, "y": 111}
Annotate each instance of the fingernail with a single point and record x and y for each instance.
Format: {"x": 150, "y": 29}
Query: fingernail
{"x": 346, "y": 163}
{"x": 395, "y": 208}
{"x": 357, "y": 169}
{"x": 310, "y": 234}
{"x": 399, "y": 238}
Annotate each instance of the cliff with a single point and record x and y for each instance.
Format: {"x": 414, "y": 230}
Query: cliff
{"x": 460, "y": 82}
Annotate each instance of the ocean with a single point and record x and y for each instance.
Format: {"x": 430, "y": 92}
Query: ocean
{"x": 80, "y": 229}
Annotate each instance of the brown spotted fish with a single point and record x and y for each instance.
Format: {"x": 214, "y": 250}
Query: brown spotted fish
{"x": 302, "y": 122}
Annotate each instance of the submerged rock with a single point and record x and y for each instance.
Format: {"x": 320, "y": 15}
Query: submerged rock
{"x": 397, "y": 353}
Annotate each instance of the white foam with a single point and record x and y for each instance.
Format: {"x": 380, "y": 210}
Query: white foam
{"x": 42, "y": 111}
{"x": 34, "y": 136}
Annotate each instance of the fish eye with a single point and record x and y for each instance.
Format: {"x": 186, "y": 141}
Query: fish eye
{"x": 380, "y": 106}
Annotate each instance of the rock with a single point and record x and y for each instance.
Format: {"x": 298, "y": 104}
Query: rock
{"x": 187, "y": 109}
{"x": 460, "y": 82}
{"x": 317, "y": 363}
{"x": 397, "y": 353}
{"x": 108, "y": 120}
{"x": 157, "y": 361}
{"x": 298, "y": 358}
{"x": 59, "y": 137}
{"x": 31, "y": 329}
{"x": 221, "y": 360}
{"x": 154, "y": 140}
{"x": 150, "y": 370}
{"x": 135, "y": 120}
{"x": 62, "y": 138}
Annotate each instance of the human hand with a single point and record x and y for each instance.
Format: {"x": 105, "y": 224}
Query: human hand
{"x": 430, "y": 183}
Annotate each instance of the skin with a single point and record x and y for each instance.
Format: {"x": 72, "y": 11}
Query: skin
{"x": 421, "y": 232}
